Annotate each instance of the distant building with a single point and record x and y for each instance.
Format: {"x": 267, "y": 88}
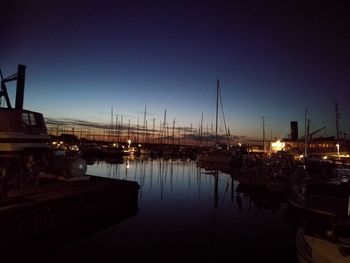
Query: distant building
{"x": 318, "y": 146}
{"x": 294, "y": 131}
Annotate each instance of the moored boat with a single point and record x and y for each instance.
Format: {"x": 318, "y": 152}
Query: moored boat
{"x": 321, "y": 241}
{"x": 25, "y": 146}
{"x": 21, "y": 130}
{"x": 219, "y": 154}
{"x": 320, "y": 196}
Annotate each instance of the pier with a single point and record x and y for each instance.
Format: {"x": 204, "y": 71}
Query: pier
{"x": 42, "y": 211}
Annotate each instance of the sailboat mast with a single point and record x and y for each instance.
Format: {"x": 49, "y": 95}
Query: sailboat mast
{"x": 117, "y": 129}
{"x": 153, "y": 130}
{"x": 201, "y": 130}
{"x": 305, "y": 143}
{"x": 111, "y": 127}
{"x": 164, "y": 131}
{"x": 217, "y": 111}
{"x": 263, "y": 120}
{"x": 144, "y": 123}
{"x": 337, "y": 116}
{"x": 173, "y": 132}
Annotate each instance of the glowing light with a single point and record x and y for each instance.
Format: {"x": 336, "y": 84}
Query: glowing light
{"x": 325, "y": 157}
{"x": 114, "y": 144}
{"x": 139, "y": 145}
{"x": 73, "y": 148}
{"x": 129, "y": 142}
{"x": 338, "y": 146}
{"x": 239, "y": 144}
{"x": 277, "y": 146}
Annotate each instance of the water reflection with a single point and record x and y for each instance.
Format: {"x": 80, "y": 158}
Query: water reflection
{"x": 175, "y": 180}
{"x": 261, "y": 198}
{"x": 188, "y": 213}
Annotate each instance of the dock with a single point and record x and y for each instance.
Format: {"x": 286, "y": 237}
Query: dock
{"x": 64, "y": 206}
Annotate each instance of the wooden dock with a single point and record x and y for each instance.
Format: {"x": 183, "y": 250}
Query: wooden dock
{"x": 31, "y": 212}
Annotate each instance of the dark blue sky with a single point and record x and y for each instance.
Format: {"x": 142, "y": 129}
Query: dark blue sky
{"x": 273, "y": 59}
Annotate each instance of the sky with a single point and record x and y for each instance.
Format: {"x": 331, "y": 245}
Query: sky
{"x": 274, "y": 59}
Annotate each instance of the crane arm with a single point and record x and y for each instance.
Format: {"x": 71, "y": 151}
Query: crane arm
{"x": 318, "y": 130}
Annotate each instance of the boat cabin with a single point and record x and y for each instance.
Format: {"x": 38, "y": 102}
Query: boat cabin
{"x": 20, "y": 130}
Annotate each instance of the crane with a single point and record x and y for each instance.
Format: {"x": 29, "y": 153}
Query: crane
{"x": 314, "y": 132}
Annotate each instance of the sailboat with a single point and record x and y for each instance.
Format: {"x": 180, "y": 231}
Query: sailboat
{"x": 218, "y": 155}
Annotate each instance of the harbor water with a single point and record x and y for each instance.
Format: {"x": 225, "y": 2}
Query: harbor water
{"x": 185, "y": 214}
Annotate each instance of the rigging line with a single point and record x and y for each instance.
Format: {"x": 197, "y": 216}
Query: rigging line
{"x": 223, "y": 116}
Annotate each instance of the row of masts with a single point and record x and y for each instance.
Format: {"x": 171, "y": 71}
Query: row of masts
{"x": 121, "y": 131}
{"x": 117, "y": 132}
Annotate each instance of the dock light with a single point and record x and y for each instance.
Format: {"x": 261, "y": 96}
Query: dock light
{"x": 139, "y": 145}
{"x": 325, "y": 157}
{"x": 239, "y": 144}
{"x": 114, "y": 144}
{"x": 129, "y": 142}
{"x": 338, "y": 146}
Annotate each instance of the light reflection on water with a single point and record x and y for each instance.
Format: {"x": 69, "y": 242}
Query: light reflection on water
{"x": 187, "y": 213}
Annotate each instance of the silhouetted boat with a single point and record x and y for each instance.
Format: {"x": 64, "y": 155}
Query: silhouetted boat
{"x": 232, "y": 156}
{"x": 25, "y": 151}
{"x": 318, "y": 241}
{"x": 331, "y": 197}
{"x": 91, "y": 149}
{"x": 21, "y": 131}
{"x": 44, "y": 194}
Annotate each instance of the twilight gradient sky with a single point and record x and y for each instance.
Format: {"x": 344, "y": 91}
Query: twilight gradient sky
{"x": 273, "y": 59}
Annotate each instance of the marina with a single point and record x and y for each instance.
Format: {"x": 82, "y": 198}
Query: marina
{"x": 151, "y": 199}
{"x": 44, "y": 202}
{"x": 174, "y": 131}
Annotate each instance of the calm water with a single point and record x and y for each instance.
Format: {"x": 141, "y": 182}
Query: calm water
{"x": 186, "y": 214}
